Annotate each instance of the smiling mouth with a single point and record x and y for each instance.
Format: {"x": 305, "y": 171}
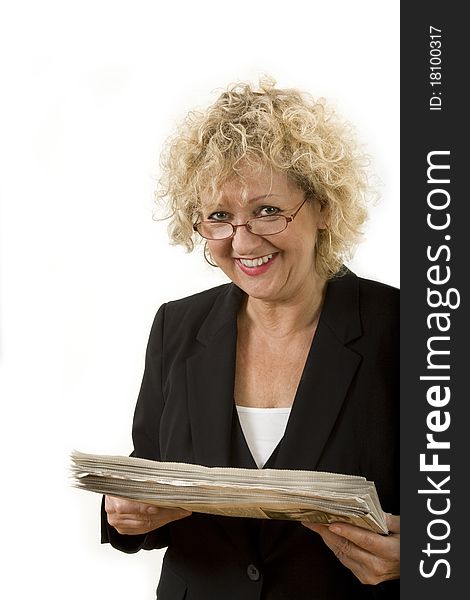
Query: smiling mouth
{"x": 255, "y": 262}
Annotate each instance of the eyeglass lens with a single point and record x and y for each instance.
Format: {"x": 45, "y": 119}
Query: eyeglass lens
{"x": 258, "y": 226}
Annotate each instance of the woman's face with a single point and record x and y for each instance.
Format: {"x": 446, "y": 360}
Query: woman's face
{"x": 288, "y": 257}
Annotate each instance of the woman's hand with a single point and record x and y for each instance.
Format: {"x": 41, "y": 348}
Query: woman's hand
{"x": 130, "y": 517}
{"x": 372, "y": 557}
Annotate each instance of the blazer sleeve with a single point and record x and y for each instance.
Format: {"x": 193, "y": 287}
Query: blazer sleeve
{"x": 145, "y": 436}
{"x": 387, "y": 590}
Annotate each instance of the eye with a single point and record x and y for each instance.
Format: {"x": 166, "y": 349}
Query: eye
{"x": 220, "y": 215}
{"x": 267, "y": 211}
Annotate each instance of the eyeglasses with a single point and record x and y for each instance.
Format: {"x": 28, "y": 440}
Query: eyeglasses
{"x": 223, "y": 230}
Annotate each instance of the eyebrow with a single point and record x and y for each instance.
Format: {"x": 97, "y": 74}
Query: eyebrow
{"x": 220, "y": 204}
{"x": 263, "y": 196}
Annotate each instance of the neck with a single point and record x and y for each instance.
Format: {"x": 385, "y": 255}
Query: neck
{"x": 289, "y": 316}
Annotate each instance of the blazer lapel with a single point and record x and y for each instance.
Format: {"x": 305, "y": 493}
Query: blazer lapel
{"x": 329, "y": 370}
{"x": 210, "y": 378}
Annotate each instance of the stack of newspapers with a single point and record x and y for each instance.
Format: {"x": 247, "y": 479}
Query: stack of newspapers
{"x": 313, "y": 496}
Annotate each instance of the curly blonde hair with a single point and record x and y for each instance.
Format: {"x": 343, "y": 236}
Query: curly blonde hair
{"x": 283, "y": 129}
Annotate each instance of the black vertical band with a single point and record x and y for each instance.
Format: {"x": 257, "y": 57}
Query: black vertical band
{"x": 435, "y": 431}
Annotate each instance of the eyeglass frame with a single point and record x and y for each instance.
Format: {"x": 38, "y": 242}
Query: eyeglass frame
{"x": 288, "y": 219}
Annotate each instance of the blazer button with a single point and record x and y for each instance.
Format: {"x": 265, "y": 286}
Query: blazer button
{"x": 253, "y": 573}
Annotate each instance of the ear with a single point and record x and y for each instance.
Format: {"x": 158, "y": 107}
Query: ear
{"x": 323, "y": 217}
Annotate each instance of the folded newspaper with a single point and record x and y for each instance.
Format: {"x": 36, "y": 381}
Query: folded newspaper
{"x": 313, "y": 496}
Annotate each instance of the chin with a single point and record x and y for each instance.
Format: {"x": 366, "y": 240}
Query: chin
{"x": 259, "y": 292}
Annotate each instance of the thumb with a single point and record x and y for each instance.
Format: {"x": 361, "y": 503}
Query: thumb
{"x": 393, "y": 522}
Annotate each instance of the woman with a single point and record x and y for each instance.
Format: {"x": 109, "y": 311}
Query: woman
{"x": 293, "y": 364}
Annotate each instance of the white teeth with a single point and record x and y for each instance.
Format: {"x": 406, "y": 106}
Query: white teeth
{"x": 256, "y": 262}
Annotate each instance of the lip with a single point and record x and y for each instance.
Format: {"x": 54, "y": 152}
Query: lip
{"x": 259, "y": 270}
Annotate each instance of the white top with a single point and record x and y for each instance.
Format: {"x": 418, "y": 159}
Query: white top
{"x": 263, "y": 429}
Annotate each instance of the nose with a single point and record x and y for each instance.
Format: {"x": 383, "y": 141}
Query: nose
{"x": 244, "y": 242}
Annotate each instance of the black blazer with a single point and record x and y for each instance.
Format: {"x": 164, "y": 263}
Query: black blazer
{"x": 344, "y": 418}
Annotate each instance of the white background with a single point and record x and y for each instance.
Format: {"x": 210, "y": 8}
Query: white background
{"x": 90, "y": 90}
